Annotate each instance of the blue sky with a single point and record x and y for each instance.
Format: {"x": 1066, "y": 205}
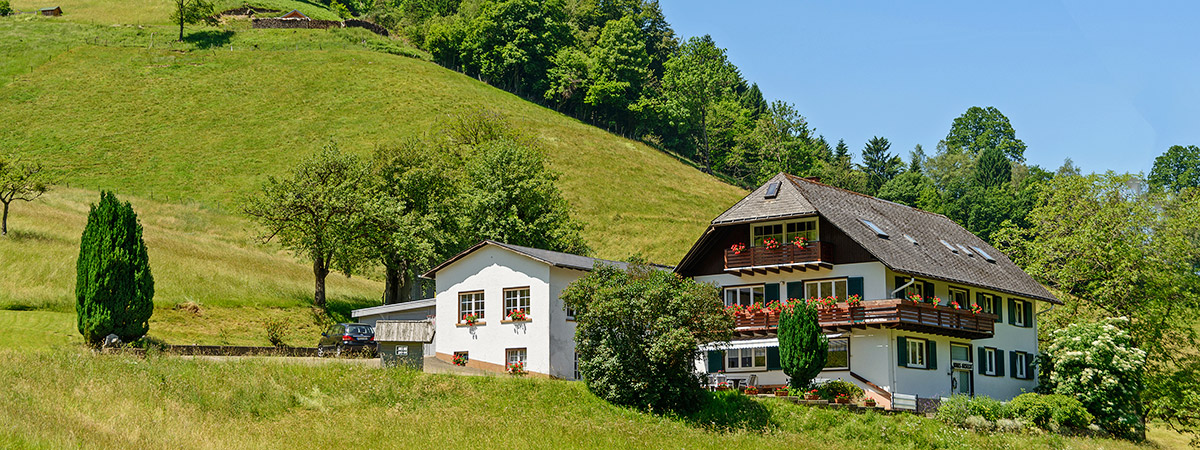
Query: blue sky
{"x": 1109, "y": 85}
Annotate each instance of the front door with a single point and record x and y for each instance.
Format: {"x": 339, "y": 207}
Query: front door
{"x": 960, "y": 374}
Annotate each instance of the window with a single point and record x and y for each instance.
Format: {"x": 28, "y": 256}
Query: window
{"x": 948, "y": 246}
{"x": 984, "y": 254}
{"x": 960, "y": 352}
{"x": 470, "y": 303}
{"x": 916, "y": 353}
{"x": 516, "y": 299}
{"x": 874, "y": 228}
{"x": 746, "y": 358}
{"x": 515, "y": 356}
{"x": 839, "y": 354}
{"x": 576, "y": 375}
{"x": 826, "y": 288}
{"x": 989, "y": 303}
{"x": 1019, "y": 313}
{"x": 960, "y": 296}
{"x": 743, "y": 295}
{"x": 464, "y": 356}
{"x": 910, "y": 239}
{"x": 916, "y": 288}
{"x": 1019, "y": 360}
{"x": 806, "y": 229}
{"x": 989, "y": 361}
{"x": 773, "y": 190}
{"x": 570, "y": 313}
{"x": 761, "y": 232}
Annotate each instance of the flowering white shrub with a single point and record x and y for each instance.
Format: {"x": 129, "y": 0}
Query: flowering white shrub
{"x": 1098, "y": 364}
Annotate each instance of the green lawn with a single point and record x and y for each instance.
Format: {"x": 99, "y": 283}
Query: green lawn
{"x": 71, "y": 398}
{"x": 154, "y": 12}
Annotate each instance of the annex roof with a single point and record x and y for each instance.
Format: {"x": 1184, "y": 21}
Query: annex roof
{"x": 395, "y": 307}
{"x": 549, "y": 257}
{"x": 910, "y": 241}
{"x": 295, "y": 14}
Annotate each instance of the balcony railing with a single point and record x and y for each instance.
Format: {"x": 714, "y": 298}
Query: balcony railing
{"x": 785, "y": 257}
{"x": 891, "y": 313}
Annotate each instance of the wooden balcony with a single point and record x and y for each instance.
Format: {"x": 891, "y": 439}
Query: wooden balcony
{"x": 892, "y": 313}
{"x": 785, "y": 258}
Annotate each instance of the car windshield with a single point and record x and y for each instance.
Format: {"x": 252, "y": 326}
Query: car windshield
{"x": 359, "y": 329}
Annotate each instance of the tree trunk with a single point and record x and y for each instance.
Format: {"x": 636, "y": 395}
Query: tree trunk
{"x": 320, "y": 271}
{"x": 397, "y": 283}
{"x": 4, "y": 221}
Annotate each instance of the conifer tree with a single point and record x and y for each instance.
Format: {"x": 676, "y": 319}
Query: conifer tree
{"x": 803, "y": 348}
{"x": 114, "y": 290}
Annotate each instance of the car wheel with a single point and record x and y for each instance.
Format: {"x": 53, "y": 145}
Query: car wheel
{"x": 320, "y": 351}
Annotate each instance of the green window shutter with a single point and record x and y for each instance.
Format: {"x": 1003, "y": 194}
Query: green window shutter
{"x": 716, "y": 361}
{"x": 899, "y": 282}
{"x": 1012, "y": 364}
{"x": 929, "y": 291}
{"x": 999, "y": 308}
{"x": 1028, "y": 314}
{"x": 931, "y": 355}
{"x": 1029, "y": 366}
{"x": 771, "y": 292}
{"x": 1012, "y": 308}
{"x": 773, "y": 359}
{"x": 999, "y": 362}
{"x": 854, "y": 286}
{"x": 978, "y": 299}
{"x": 982, "y": 359}
{"x": 795, "y": 290}
{"x": 902, "y": 351}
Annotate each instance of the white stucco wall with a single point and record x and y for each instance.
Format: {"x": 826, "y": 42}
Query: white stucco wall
{"x": 493, "y": 269}
{"x": 562, "y": 331}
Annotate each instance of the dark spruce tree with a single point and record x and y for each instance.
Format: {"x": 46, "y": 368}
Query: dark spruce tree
{"x": 879, "y": 165}
{"x": 114, "y": 290}
{"x": 803, "y": 348}
{"x": 992, "y": 169}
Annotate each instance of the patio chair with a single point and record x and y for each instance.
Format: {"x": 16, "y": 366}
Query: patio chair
{"x": 753, "y": 381}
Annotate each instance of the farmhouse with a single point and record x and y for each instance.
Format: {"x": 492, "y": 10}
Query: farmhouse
{"x": 54, "y": 11}
{"x": 498, "y": 304}
{"x": 867, "y": 259}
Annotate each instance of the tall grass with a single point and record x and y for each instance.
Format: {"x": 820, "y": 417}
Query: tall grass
{"x": 75, "y": 399}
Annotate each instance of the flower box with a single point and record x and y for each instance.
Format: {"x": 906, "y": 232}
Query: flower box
{"x": 870, "y": 403}
{"x": 842, "y": 401}
{"x": 812, "y": 397}
{"x": 781, "y": 393}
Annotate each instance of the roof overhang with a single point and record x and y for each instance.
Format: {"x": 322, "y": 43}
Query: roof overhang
{"x": 394, "y": 308}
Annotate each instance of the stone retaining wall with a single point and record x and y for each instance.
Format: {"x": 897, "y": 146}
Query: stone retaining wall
{"x": 296, "y": 23}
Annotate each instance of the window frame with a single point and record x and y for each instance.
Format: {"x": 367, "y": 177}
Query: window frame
{"x": 528, "y": 301}
{"x": 478, "y": 305}
{"x": 966, "y": 296}
{"x": 1021, "y": 365}
{"x": 576, "y": 373}
{"x": 845, "y": 281}
{"x": 761, "y": 298}
{"x": 753, "y": 356}
{"x": 522, "y": 351}
{"x": 1019, "y": 313}
{"x": 917, "y": 287}
{"x": 784, "y": 237}
{"x": 990, "y": 361}
{"x": 921, "y": 353}
{"x": 989, "y": 303}
{"x": 847, "y": 366}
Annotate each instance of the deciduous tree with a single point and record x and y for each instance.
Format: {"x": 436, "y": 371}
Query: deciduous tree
{"x": 1176, "y": 169}
{"x": 694, "y": 80}
{"x": 20, "y": 180}
{"x": 981, "y": 128}
{"x": 189, "y": 12}
{"x": 114, "y": 290}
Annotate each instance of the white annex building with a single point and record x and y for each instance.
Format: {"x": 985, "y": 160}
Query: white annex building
{"x": 794, "y": 239}
{"x": 490, "y": 282}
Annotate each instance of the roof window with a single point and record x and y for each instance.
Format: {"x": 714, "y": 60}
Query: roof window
{"x": 948, "y": 246}
{"x": 878, "y": 231}
{"x": 772, "y": 190}
{"x": 910, "y": 239}
{"x": 984, "y": 254}
{"x": 964, "y": 249}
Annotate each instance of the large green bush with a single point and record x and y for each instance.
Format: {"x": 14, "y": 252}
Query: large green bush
{"x": 1050, "y": 412}
{"x": 5, "y": 9}
{"x": 1098, "y": 364}
{"x": 829, "y": 390}
{"x": 637, "y": 331}
{"x": 114, "y": 290}
{"x": 803, "y": 347}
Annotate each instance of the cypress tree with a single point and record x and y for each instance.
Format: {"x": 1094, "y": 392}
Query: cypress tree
{"x": 803, "y": 347}
{"x": 114, "y": 290}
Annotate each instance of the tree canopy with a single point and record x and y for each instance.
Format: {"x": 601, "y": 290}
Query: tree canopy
{"x": 114, "y": 289}
{"x": 1177, "y": 169}
{"x": 982, "y": 128}
{"x": 20, "y": 180}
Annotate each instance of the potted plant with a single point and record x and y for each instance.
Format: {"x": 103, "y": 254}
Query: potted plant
{"x": 812, "y": 395}
{"x": 801, "y": 242}
{"x": 976, "y": 309}
{"x": 751, "y": 390}
{"x": 460, "y": 359}
{"x": 842, "y": 399}
{"x": 770, "y": 243}
{"x": 781, "y": 392}
{"x": 869, "y": 402}
{"x": 518, "y": 315}
{"x": 723, "y": 386}
{"x": 854, "y": 300}
{"x": 915, "y": 298}
{"x": 517, "y": 368}
{"x": 470, "y": 319}
{"x": 954, "y": 304}
{"x": 738, "y": 248}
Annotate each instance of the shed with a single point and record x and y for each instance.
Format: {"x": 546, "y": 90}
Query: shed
{"x": 295, "y": 15}
{"x": 402, "y": 342}
{"x": 53, "y": 11}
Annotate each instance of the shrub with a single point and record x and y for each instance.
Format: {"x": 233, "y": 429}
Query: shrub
{"x": 803, "y": 347}
{"x": 1098, "y": 364}
{"x": 275, "y": 329}
{"x": 114, "y": 290}
{"x": 831, "y": 389}
{"x": 5, "y": 9}
{"x": 954, "y": 410}
{"x": 1050, "y": 412}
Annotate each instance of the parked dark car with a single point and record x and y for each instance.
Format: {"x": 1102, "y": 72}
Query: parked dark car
{"x": 345, "y": 338}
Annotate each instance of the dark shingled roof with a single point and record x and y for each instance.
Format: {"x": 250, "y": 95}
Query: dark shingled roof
{"x": 553, "y": 258}
{"x": 927, "y": 259}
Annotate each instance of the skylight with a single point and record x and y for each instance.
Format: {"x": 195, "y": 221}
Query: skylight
{"x": 910, "y": 239}
{"x": 878, "y": 231}
{"x": 948, "y": 246}
{"x": 773, "y": 190}
{"x": 964, "y": 249}
{"x": 984, "y": 254}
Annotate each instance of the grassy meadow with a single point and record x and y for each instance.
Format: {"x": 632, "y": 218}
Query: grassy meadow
{"x": 71, "y": 398}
